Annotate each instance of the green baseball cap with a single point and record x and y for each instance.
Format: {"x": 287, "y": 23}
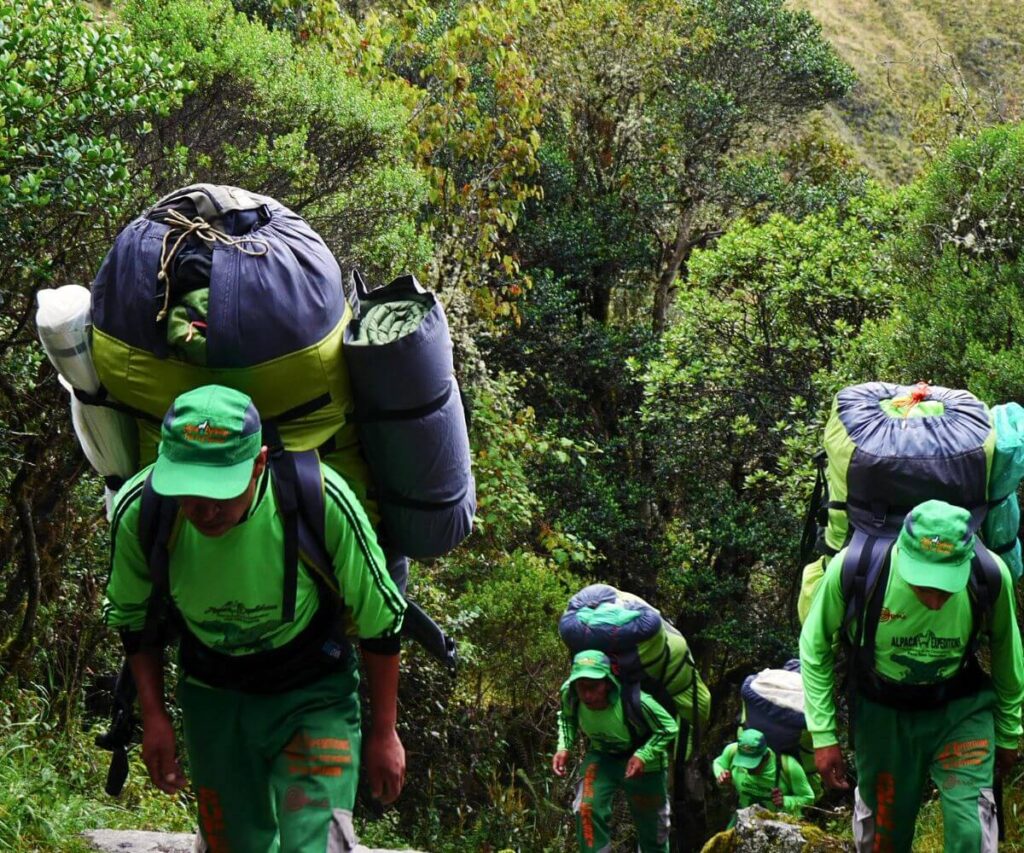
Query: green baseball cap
{"x": 936, "y": 546}
{"x": 209, "y": 439}
{"x": 590, "y": 664}
{"x": 750, "y": 749}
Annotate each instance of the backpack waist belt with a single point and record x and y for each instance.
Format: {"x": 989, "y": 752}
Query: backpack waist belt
{"x": 969, "y": 681}
{"x": 312, "y": 654}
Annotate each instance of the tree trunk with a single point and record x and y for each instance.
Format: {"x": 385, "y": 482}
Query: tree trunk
{"x": 673, "y": 259}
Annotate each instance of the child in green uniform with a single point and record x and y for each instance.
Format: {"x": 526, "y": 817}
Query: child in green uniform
{"x": 761, "y": 777}
{"x": 627, "y": 749}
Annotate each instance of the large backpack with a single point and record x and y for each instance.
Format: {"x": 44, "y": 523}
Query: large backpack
{"x": 218, "y": 285}
{"x": 214, "y": 284}
{"x": 646, "y": 650}
{"x": 887, "y": 449}
{"x": 773, "y": 703}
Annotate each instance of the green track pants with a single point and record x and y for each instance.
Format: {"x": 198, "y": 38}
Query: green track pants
{"x": 275, "y": 773}
{"x": 895, "y": 753}
{"x": 647, "y": 796}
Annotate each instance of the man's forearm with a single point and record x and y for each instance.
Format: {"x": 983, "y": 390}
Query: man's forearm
{"x": 148, "y": 670}
{"x": 382, "y": 678}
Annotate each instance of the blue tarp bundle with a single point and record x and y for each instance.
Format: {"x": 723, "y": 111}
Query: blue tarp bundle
{"x": 1003, "y": 520}
{"x": 410, "y": 417}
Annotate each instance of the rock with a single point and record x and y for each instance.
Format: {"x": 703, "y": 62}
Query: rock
{"x": 136, "y": 841}
{"x": 760, "y": 831}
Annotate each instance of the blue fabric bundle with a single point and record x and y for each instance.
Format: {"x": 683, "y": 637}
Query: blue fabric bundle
{"x": 411, "y": 420}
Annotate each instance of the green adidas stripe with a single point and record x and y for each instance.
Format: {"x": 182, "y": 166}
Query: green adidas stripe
{"x": 393, "y": 600}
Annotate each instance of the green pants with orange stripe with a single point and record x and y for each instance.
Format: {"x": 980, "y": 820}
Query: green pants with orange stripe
{"x": 278, "y": 772}
{"x": 647, "y": 796}
{"x": 896, "y": 752}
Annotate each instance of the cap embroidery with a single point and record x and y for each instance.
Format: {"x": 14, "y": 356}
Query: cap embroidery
{"x": 936, "y": 544}
{"x": 204, "y": 433}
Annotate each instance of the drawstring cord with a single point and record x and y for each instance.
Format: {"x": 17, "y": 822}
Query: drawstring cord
{"x": 202, "y": 229}
{"x": 921, "y": 392}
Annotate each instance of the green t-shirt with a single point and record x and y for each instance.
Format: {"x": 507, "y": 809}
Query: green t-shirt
{"x": 914, "y": 645}
{"x": 229, "y": 589}
{"x": 754, "y": 788}
{"x": 608, "y": 731}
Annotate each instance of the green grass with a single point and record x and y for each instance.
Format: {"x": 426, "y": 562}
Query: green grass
{"x": 51, "y": 786}
{"x": 905, "y": 102}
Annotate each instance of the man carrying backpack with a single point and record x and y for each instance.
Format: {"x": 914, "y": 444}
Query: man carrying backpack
{"x": 269, "y": 692}
{"x": 920, "y": 702}
{"x": 627, "y": 749}
{"x": 761, "y": 776}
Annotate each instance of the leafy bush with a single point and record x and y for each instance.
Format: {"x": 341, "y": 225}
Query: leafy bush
{"x": 959, "y": 307}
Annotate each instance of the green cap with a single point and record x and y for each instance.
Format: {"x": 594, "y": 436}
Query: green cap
{"x": 590, "y": 664}
{"x": 936, "y": 546}
{"x": 750, "y": 749}
{"x": 209, "y": 439}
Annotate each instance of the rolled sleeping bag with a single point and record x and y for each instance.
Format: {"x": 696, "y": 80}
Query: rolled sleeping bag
{"x": 64, "y": 323}
{"x": 410, "y": 417}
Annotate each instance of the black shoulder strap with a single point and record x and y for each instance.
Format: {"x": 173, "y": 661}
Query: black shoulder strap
{"x": 865, "y": 569}
{"x": 633, "y": 710}
{"x": 778, "y": 769}
{"x": 984, "y": 585}
{"x": 817, "y": 509}
{"x": 157, "y": 515}
{"x": 299, "y": 490}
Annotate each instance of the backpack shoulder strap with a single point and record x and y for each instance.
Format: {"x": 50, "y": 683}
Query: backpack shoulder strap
{"x": 633, "y": 711}
{"x": 157, "y": 515}
{"x": 298, "y": 483}
{"x": 984, "y": 586}
{"x": 865, "y": 558}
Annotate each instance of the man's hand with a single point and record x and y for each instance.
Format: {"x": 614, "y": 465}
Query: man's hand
{"x": 384, "y": 759}
{"x": 1005, "y": 759}
{"x": 725, "y": 777}
{"x": 777, "y": 798}
{"x": 634, "y": 767}
{"x": 559, "y": 762}
{"x": 158, "y": 753}
{"x": 829, "y": 762}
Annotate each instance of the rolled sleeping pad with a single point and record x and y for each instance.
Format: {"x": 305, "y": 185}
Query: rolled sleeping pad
{"x": 108, "y": 437}
{"x": 410, "y": 418}
{"x": 64, "y": 323}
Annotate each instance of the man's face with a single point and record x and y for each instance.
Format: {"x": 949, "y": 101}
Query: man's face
{"x": 932, "y": 598}
{"x": 593, "y": 692}
{"x": 213, "y": 517}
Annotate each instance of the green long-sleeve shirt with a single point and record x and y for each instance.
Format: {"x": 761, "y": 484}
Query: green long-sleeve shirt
{"x": 914, "y": 645}
{"x": 229, "y": 589}
{"x": 756, "y": 788}
{"x": 608, "y": 731}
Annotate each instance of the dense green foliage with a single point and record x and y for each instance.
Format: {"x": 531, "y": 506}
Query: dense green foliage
{"x": 657, "y": 273}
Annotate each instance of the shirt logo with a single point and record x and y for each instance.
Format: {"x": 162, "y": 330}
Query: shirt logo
{"x": 888, "y": 615}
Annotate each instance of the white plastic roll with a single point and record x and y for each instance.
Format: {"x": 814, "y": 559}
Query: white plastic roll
{"x": 64, "y": 322}
{"x": 109, "y": 438}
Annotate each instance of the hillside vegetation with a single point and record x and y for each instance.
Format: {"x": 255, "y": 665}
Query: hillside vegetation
{"x": 926, "y": 70}
{"x": 658, "y": 262}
